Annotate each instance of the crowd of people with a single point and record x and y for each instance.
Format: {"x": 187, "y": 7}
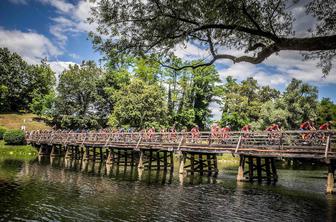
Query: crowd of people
{"x": 215, "y": 130}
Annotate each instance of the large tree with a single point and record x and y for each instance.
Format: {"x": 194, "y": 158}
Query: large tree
{"x": 139, "y": 105}
{"x": 21, "y": 83}
{"x": 261, "y": 28}
{"x": 301, "y": 102}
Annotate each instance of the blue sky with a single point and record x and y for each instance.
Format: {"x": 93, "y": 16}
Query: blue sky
{"x": 56, "y": 29}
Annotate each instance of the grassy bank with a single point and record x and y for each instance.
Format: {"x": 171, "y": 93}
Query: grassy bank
{"x": 16, "y": 120}
{"x": 17, "y": 152}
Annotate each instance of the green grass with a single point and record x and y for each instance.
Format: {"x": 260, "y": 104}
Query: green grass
{"x": 24, "y": 152}
{"x": 16, "y": 120}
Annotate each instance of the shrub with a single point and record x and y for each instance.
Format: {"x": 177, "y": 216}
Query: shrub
{"x": 14, "y": 137}
{"x": 2, "y": 132}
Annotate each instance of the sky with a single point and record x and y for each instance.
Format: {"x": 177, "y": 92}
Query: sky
{"x": 57, "y": 30}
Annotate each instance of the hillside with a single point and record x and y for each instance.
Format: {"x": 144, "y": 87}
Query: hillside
{"x": 16, "y": 120}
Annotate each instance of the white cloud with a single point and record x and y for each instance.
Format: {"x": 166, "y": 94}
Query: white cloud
{"x": 59, "y": 66}
{"x": 71, "y": 21}
{"x": 190, "y": 51}
{"x": 30, "y": 45}
{"x": 60, "y": 5}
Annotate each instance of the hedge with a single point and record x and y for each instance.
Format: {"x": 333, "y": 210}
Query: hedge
{"x": 14, "y": 137}
{"x": 2, "y": 132}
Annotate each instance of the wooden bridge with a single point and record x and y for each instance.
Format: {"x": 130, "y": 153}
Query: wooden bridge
{"x": 197, "y": 152}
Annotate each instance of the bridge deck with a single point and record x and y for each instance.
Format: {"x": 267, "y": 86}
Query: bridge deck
{"x": 294, "y": 144}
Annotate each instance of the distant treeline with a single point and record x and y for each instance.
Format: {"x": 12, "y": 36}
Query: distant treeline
{"x": 138, "y": 92}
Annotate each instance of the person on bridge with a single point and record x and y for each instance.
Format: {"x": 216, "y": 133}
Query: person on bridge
{"x": 151, "y": 133}
{"x": 325, "y": 126}
{"x": 307, "y": 126}
{"x": 172, "y": 133}
{"x": 225, "y": 131}
{"x": 246, "y": 128}
{"x": 273, "y": 127}
{"x": 214, "y": 132}
{"x": 195, "y": 134}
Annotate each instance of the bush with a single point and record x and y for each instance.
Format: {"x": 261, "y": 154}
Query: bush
{"x": 2, "y": 132}
{"x": 14, "y": 137}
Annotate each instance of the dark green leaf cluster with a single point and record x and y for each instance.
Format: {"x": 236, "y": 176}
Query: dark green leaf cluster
{"x": 14, "y": 137}
{"x": 21, "y": 83}
{"x": 2, "y": 132}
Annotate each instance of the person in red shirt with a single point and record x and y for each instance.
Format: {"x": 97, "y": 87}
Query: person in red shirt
{"x": 224, "y": 130}
{"x": 325, "y": 126}
{"x": 273, "y": 127}
{"x": 214, "y": 132}
{"x": 246, "y": 128}
{"x": 308, "y": 125}
{"x": 195, "y": 133}
{"x": 151, "y": 133}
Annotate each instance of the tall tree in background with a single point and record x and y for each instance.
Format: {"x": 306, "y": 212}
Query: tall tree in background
{"x": 258, "y": 28}
{"x": 139, "y": 105}
{"x": 77, "y": 95}
{"x": 326, "y": 111}
{"x": 301, "y": 102}
{"x": 21, "y": 83}
{"x": 203, "y": 91}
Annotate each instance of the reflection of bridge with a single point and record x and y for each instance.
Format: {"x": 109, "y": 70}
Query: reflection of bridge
{"x": 198, "y": 153}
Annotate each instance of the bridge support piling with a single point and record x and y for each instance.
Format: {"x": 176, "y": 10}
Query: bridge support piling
{"x": 204, "y": 163}
{"x": 182, "y": 162}
{"x": 140, "y": 164}
{"x": 331, "y": 179}
{"x": 240, "y": 175}
{"x": 260, "y": 168}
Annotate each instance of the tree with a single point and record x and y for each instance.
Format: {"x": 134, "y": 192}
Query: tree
{"x": 20, "y": 83}
{"x": 260, "y": 28}
{"x": 301, "y": 102}
{"x": 273, "y": 112}
{"x": 326, "y": 111}
{"x": 77, "y": 99}
{"x": 204, "y": 90}
{"x": 139, "y": 105}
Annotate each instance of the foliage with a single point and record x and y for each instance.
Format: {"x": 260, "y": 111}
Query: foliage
{"x": 75, "y": 123}
{"x": 260, "y": 28}
{"x": 43, "y": 104}
{"x": 78, "y": 98}
{"x": 139, "y": 105}
{"x": 326, "y": 111}
{"x": 14, "y": 137}
{"x": 2, "y": 132}
{"x": 20, "y": 83}
{"x": 301, "y": 102}
{"x": 273, "y": 112}
{"x": 242, "y": 103}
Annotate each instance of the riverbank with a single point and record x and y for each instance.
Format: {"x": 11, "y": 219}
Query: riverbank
{"x": 18, "y": 152}
{"x": 16, "y": 120}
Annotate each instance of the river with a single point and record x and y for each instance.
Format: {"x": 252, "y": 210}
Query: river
{"x": 66, "y": 191}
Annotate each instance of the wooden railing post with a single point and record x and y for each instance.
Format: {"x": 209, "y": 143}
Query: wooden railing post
{"x": 327, "y": 148}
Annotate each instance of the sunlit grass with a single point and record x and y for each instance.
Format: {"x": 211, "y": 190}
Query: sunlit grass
{"x": 16, "y": 120}
{"x": 24, "y": 152}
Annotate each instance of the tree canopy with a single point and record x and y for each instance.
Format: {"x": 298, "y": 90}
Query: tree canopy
{"x": 20, "y": 83}
{"x": 260, "y": 28}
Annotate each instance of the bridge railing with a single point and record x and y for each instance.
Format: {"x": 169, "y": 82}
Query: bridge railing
{"x": 235, "y": 139}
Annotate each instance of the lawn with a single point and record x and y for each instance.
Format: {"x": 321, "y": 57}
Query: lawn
{"x": 16, "y": 120}
{"x": 21, "y": 152}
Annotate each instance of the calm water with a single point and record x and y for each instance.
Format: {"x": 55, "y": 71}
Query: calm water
{"x": 68, "y": 191}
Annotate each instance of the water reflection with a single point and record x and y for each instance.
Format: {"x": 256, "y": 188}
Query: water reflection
{"x": 61, "y": 189}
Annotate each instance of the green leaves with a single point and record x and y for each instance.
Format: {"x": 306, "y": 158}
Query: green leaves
{"x": 20, "y": 83}
{"x": 139, "y": 105}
